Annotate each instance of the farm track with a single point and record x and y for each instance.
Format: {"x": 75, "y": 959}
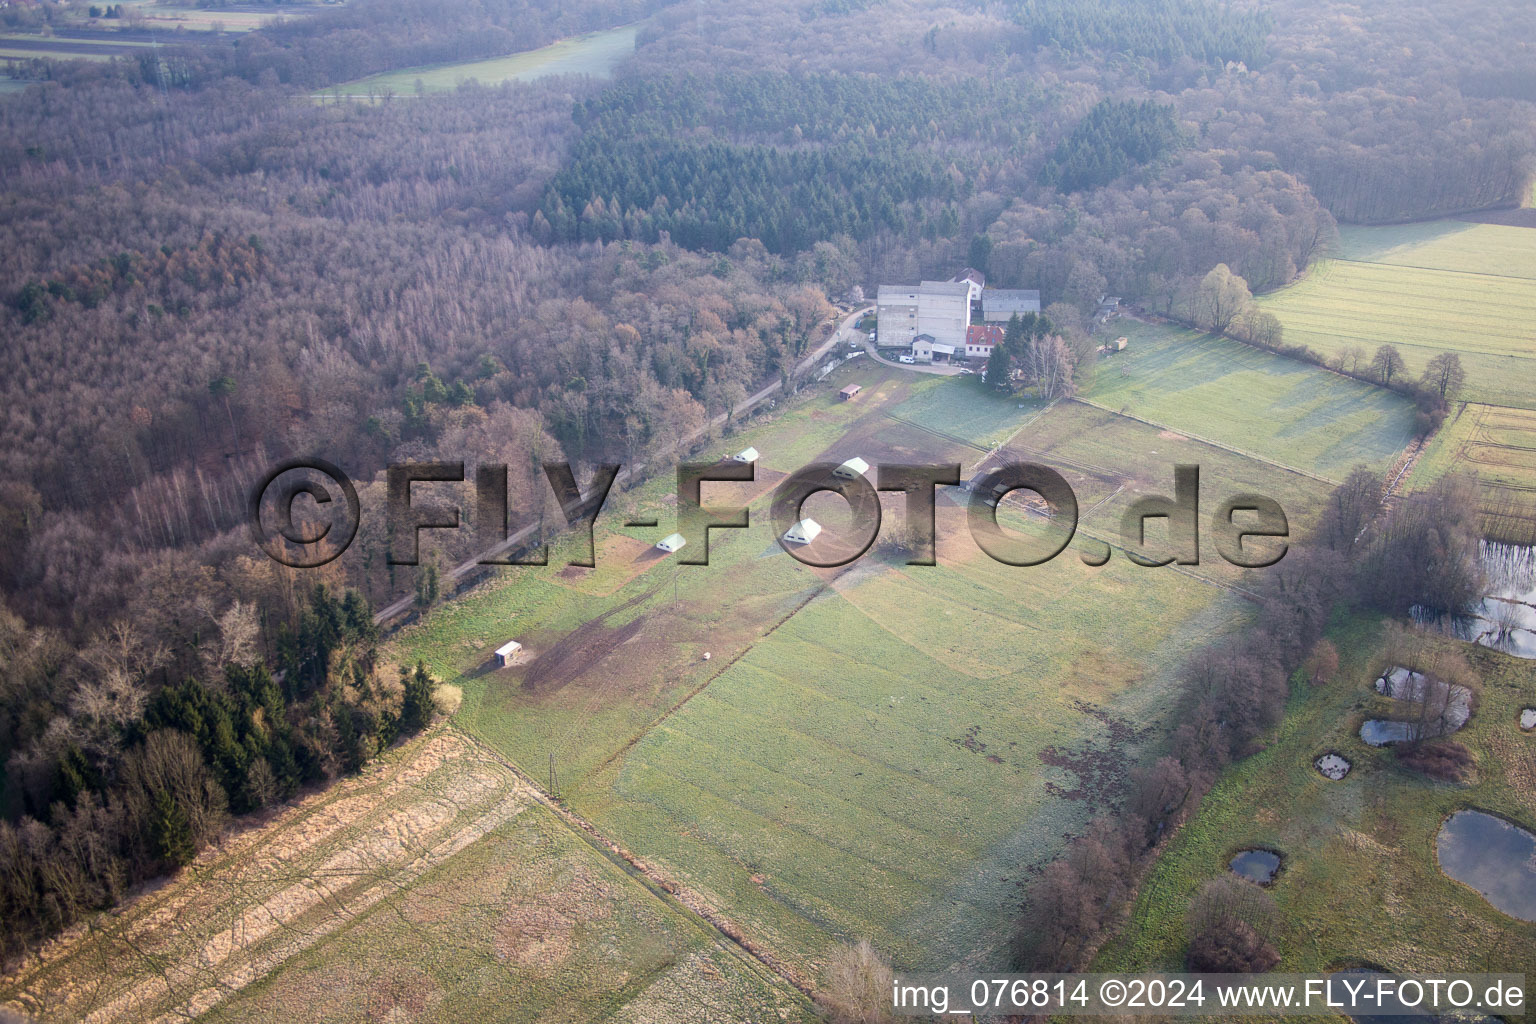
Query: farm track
{"x": 402, "y": 605}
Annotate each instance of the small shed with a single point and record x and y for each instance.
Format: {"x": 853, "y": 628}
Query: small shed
{"x": 849, "y": 391}
{"x": 507, "y": 652}
{"x": 671, "y": 542}
{"x": 745, "y": 455}
{"x": 853, "y": 468}
{"x": 803, "y": 532}
{"x": 1118, "y": 345}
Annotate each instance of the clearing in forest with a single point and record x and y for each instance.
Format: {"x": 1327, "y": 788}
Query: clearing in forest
{"x": 595, "y": 54}
{"x": 878, "y": 750}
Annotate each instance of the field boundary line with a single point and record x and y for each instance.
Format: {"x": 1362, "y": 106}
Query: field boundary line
{"x": 1433, "y": 270}
{"x": 693, "y": 907}
{"x": 1206, "y": 440}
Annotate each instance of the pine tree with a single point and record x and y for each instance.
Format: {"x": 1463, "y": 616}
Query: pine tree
{"x": 420, "y": 701}
{"x": 172, "y": 830}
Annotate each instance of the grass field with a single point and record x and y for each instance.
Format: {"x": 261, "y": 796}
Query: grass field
{"x": 594, "y": 54}
{"x": 431, "y": 887}
{"x": 873, "y": 752}
{"x": 1269, "y": 406}
{"x": 1359, "y": 881}
{"x": 1445, "y": 286}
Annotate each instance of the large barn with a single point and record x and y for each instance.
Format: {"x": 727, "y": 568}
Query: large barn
{"x": 998, "y": 305}
{"x": 939, "y": 309}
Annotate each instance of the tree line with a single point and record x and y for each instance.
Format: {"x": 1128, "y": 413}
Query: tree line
{"x": 130, "y": 757}
{"x": 1421, "y": 553}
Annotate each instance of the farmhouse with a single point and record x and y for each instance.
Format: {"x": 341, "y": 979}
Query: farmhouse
{"x": 671, "y": 542}
{"x": 803, "y": 532}
{"x": 981, "y": 339}
{"x": 975, "y": 281}
{"x": 852, "y": 469}
{"x": 507, "y": 652}
{"x": 998, "y": 305}
{"x": 926, "y": 350}
{"x": 939, "y": 309}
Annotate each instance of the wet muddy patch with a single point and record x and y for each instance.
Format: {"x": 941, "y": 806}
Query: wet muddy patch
{"x": 1332, "y": 766}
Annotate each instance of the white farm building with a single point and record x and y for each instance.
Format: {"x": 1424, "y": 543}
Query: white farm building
{"x": 850, "y": 470}
{"x": 939, "y": 309}
{"x": 803, "y": 532}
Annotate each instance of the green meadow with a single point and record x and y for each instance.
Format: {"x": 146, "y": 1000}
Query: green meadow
{"x": 876, "y": 751}
{"x": 1260, "y": 403}
{"x": 1444, "y": 286}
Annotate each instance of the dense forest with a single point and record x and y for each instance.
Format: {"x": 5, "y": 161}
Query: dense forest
{"x": 787, "y": 160}
{"x": 206, "y": 265}
{"x": 1164, "y": 31}
{"x": 1113, "y": 140}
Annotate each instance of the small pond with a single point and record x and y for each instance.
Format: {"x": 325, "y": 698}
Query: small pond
{"x": 1332, "y": 766}
{"x": 1400, "y": 1012}
{"x": 1379, "y": 732}
{"x": 1505, "y": 619}
{"x": 1438, "y": 709}
{"x": 1493, "y": 856}
{"x": 1256, "y": 865}
{"x": 1528, "y": 718}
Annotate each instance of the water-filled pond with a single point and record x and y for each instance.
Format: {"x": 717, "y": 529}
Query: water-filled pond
{"x": 1493, "y": 856}
{"x": 1505, "y": 619}
{"x": 1438, "y": 709}
{"x": 1256, "y": 865}
{"x": 1528, "y": 718}
{"x": 1332, "y": 766}
{"x": 1399, "y": 1012}
{"x": 1378, "y": 732}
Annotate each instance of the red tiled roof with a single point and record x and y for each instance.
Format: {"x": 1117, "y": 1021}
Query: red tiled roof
{"x": 984, "y": 334}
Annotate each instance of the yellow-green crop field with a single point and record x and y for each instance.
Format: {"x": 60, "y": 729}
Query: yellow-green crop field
{"x": 430, "y": 888}
{"x": 1445, "y": 286}
{"x": 1498, "y": 446}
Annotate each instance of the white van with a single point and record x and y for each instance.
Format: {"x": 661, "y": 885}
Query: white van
{"x": 905, "y": 359}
